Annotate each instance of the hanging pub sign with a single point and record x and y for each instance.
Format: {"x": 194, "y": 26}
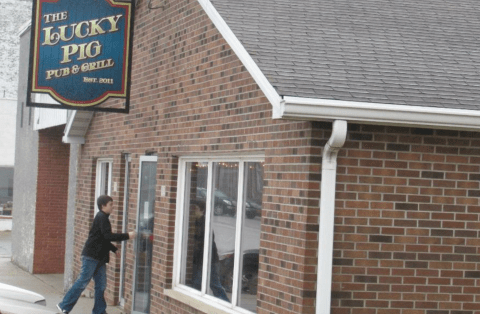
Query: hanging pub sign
{"x": 80, "y": 54}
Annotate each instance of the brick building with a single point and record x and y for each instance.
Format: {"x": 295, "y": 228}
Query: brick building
{"x": 333, "y": 145}
{"x": 40, "y": 181}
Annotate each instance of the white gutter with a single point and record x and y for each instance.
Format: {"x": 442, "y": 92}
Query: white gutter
{"x": 327, "y": 215}
{"x": 298, "y": 108}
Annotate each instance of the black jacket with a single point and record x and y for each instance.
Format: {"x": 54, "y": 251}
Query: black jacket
{"x": 199, "y": 243}
{"x": 98, "y": 245}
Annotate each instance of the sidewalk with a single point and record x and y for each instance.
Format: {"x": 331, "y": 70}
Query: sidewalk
{"x": 50, "y": 286}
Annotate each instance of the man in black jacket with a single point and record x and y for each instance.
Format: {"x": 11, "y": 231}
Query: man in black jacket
{"x": 215, "y": 284}
{"x": 95, "y": 255}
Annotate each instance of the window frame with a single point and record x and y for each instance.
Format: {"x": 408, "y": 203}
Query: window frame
{"x": 99, "y": 177}
{"x": 180, "y": 220}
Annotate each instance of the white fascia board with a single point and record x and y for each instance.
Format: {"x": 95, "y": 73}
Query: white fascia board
{"x": 297, "y": 108}
{"x": 73, "y": 139}
{"x": 68, "y": 127}
{"x": 242, "y": 54}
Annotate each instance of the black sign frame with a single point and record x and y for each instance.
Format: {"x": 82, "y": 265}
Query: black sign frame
{"x": 89, "y": 32}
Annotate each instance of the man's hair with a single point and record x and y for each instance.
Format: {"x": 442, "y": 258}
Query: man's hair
{"x": 200, "y": 204}
{"x": 103, "y": 200}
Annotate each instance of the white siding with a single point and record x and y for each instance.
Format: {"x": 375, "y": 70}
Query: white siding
{"x": 46, "y": 117}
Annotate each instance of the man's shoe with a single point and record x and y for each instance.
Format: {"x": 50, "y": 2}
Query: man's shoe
{"x": 60, "y": 309}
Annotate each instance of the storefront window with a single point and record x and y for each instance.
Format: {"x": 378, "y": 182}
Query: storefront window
{"x": 221, "y": 207}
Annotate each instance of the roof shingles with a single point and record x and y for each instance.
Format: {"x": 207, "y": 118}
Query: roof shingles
{"x": 409, "y": 52}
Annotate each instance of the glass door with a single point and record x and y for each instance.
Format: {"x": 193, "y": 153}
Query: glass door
{"x": 144, "y": 240}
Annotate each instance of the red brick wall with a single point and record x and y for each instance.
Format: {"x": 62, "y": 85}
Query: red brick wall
{"x": 191, "y": 95}
{"x": 51, "y": 204}
{"x": 407, "y": 221}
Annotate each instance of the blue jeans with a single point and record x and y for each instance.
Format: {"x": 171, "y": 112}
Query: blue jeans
{"x": 215, "y": 283}
{"x": 91, "y": 268}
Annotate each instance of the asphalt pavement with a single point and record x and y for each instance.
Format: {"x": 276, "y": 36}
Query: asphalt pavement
{"x": 50, "y": 285}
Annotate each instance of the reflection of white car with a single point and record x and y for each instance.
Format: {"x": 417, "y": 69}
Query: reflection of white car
{"x": 225, "y": 205}
{"x": 15, "y": 300}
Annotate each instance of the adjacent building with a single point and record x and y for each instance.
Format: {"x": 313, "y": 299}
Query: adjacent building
{"x": 12, "y": 15}
{"x": 41, "y": 181}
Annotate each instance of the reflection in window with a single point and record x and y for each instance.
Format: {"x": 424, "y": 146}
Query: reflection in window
{"x": 250, "y": 235}
{"x": 225, "y": 183}
{"x": 196, "y": 183}
{"x": 103, "y": 179}
{"x": 217, "y": 194}
{"x": 144, "y": 240}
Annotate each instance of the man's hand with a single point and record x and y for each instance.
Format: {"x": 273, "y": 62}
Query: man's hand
{"x": 132, "y": 235}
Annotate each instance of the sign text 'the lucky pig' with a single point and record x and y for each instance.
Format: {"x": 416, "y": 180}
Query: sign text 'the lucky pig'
{"x": 81, "y": 51}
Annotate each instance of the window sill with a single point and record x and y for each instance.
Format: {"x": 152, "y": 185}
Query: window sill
{"x": 198, "y": 304}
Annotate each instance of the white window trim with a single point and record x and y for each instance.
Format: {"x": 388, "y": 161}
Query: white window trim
{"x": 184, "y": 293}
{"x": 98, "y": 178}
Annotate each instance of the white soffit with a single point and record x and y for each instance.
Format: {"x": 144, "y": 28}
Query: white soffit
{"x": 77, "y": 127}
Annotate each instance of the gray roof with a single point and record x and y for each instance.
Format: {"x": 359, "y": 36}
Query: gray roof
{"x": 405, "y": 52}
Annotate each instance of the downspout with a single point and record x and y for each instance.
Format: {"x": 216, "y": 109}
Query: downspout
{"x": 327, "y": 215}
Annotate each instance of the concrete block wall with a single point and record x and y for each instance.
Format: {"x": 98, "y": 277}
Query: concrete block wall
{"x": 25, "y": 176}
